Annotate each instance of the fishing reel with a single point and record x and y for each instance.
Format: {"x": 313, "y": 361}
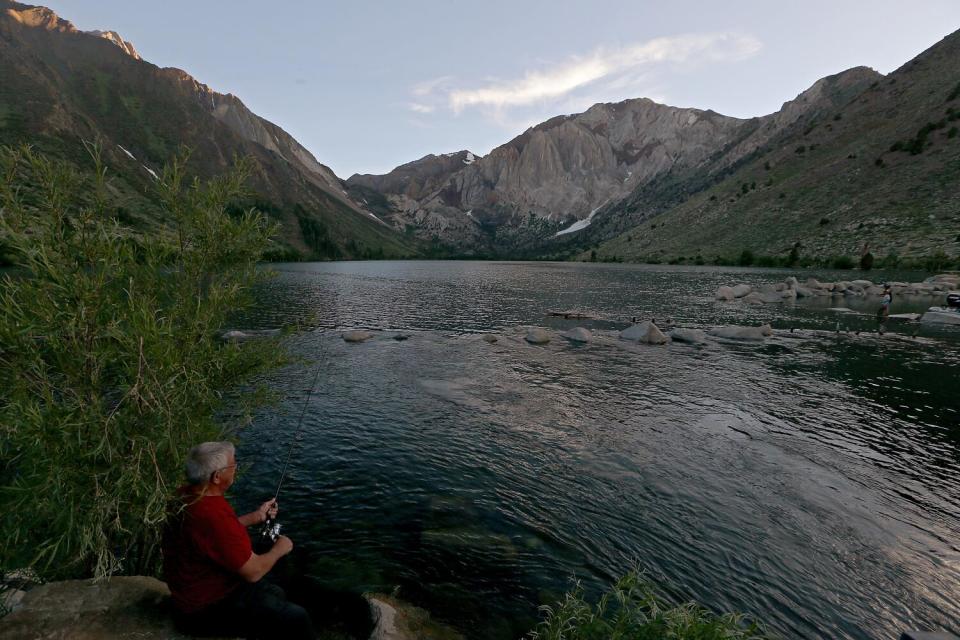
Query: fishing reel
{"x": 270, "y": 530}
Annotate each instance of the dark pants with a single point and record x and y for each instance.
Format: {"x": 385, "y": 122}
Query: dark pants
{"x": 258, "y": 610}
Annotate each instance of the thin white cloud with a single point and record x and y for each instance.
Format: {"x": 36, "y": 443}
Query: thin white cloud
{"x": 429, "y": 86}
{"x": 420, "y": 108}
{"x": 619, "y": 67}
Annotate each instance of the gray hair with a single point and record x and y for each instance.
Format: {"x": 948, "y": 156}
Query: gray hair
{"x": 206, "y": 458}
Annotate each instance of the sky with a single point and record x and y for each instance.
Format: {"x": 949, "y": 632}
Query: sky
{"x": 369, "y": 85}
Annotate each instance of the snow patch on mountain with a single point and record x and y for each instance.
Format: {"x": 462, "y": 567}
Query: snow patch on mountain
{"x": 579, "y": 225}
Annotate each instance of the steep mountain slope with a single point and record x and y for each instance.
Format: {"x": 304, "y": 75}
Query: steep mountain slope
{"x": 60, "y": 86}
{"x": 880, "y": 173}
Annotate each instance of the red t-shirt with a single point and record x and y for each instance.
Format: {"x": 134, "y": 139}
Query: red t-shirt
{"x": 204, "y": 546}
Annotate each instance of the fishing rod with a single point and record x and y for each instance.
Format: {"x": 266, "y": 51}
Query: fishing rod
{"x": 271, "y": 527}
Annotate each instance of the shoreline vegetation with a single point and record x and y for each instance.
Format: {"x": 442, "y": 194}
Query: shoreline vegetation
{"x": 112, "y": 365}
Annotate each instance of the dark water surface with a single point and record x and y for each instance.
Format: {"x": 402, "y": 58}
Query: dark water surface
{"x": 811, "y": 481}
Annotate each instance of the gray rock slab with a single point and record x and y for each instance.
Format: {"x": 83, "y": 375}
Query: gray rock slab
{"x": 578, "y": 334}
{"x": 139, "y": 607}
{"x": 746, "y": 334}
{"x": 122, "y": 607}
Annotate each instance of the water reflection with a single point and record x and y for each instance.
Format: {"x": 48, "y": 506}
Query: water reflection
{"x": 810, "y": 481}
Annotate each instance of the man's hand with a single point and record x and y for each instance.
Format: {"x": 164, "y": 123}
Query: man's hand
{"x": 267, "y": 510}
{"x": 264, "y": 512}
{"x": 258, "y": 565}
{"x": 283, "y": 545}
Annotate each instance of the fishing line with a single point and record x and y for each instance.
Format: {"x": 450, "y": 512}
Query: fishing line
{"x": 271, "y": 528}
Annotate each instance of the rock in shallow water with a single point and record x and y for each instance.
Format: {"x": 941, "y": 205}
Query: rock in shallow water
{"x": 747, "y": 334}
{"x": 537, "y": 336}
{"x": 578, "y": 334}
{"x": 645, "y": 332}
{"x": 356, "y": 336}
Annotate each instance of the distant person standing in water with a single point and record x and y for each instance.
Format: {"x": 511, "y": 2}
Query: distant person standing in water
{"x": 884, "y": 311}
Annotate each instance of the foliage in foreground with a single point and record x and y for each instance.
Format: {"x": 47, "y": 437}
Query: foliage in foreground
{"x": 632, "y": 611}
{"x": 110, "y": 362}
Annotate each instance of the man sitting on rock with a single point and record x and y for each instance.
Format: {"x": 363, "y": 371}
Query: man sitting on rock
{"x": 209, "y": 563}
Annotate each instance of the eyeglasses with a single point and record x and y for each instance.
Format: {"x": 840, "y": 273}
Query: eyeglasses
{"x": 238, "y": 467}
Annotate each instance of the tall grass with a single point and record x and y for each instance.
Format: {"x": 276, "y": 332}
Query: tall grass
{"x": 110, "y": 362}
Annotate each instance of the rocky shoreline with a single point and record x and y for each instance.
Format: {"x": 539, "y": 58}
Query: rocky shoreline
{"x": 791, "y": 289}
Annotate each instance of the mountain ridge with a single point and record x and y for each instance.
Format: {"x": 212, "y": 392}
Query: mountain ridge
{"x": 570, "y": 169}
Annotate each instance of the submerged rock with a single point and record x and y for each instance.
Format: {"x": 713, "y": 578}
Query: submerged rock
{"x": 537, "y": 336}
{"x": 489, "y": 338}
{"x": 578, "y": 334}
{"x": 356, "y": 335}
{"x": 645, "y": 332}
{"x": 747, "y": 334}
{"x": 690, "y": 336}
{"x": 741, "y": 290}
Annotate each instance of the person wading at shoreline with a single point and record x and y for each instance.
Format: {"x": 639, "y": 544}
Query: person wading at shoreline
{"x": 883, "y": 313}
{"x": 214, "y": 576}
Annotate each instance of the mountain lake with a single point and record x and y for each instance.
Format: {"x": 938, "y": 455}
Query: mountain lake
{"x": 810, "y": 481}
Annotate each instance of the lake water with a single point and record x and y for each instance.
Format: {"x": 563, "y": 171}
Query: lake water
{"x": 811, "y": 481}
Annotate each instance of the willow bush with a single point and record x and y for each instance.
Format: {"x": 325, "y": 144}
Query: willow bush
{"x": 111, "y": 365}
{"x": 633, "y": 611}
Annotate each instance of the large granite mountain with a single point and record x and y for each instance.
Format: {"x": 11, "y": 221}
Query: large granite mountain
{"x": 562, "y": 174}
{"x": 60, "y": 86}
